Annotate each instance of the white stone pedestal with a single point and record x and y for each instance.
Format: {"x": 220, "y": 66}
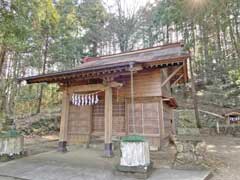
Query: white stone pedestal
{"x": 135, "y": 154}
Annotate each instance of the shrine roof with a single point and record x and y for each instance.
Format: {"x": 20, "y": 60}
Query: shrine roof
{"x": 170, "y": 54}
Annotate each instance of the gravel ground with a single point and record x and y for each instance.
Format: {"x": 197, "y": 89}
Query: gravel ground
{"x": 224, "y": 153}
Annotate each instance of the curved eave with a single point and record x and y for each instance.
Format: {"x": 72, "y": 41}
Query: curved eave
{"x": 77, "y": 73}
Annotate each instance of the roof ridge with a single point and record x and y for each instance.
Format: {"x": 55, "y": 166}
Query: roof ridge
{"x": 176, "y": 44}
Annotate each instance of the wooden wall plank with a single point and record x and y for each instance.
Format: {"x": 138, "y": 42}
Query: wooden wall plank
{"x": 146, "y": 84}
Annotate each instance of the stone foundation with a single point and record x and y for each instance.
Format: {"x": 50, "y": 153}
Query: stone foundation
{"x": 138, "y": 172}
{"x": 62, "y": 146}
{"x": 191, "y": 152}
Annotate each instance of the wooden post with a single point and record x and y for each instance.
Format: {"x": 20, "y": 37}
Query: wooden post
{"x": 108, "y": 152}
{"x": 64, "y": 122}
{"x": 161, "y": 117}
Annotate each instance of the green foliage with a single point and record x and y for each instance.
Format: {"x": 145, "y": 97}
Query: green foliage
{"x": 41, "y": 36}
{"x": 27, "y": 99}
{"x": 47, "y": 16}
{"x": 92, "y": 17}
{"x": 15, "y": 23}
{"x": 235, "y": 76}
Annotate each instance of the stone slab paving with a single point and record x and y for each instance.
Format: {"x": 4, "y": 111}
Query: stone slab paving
{"x": 79, "y": 164}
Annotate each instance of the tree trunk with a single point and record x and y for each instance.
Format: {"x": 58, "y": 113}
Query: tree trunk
{"x": 234, "y": 42}
{"x": 13, "y": 85}
{"x": 194, "y": 95}
{"x": 2, "y": 59}
{"x": 94, "y": 49}
{"x": 206, "y": 54}
{"x": 45, "y": 53}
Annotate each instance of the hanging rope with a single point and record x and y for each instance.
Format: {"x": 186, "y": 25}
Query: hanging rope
{"x": 132, "y": 100}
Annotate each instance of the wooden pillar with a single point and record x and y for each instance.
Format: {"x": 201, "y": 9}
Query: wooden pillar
{"x": 64, "y": 122}
{"x": 161, "y": 119}
{"x": 161, "y": 112}
{"x": 108, "y": 152}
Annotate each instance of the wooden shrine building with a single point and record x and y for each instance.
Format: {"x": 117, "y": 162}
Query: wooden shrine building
{"x": 120, "y": 94}
{"x": 232, "y": 117}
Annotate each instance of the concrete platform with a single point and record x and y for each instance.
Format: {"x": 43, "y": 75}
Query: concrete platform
{"x": 80, "y": 164}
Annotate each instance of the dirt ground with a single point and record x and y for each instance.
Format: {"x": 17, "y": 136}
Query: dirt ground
{"x": 39, "y": 144}
{"x": 224, "y": 154}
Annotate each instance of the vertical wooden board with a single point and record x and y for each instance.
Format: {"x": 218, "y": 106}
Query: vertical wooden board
{"x": 168, "y": 119}
{"x": 138, "y": 118}
{"x": 98, "y": 117}
{"x": 146, "y": 84}
{"x": 119, "y": 123}
{"x": 150, "y": 116}
{"x": 79, "y": 123}
{"x": 126, "y": 117}
{"x": 147, "y": 118}
{"x": 119, "y": 117}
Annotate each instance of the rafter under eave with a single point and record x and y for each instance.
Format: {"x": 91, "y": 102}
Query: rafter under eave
{"x": 171, "y": 75}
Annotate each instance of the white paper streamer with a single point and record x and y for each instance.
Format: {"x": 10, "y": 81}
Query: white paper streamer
{"x": 79, "y": 100}
{"x": 73, "y": 99}
{"x": 84, "y": 99}
{"x": 92, "y": 99}
{"x": 89, "y": 100}
{"x": 96, "y": 99}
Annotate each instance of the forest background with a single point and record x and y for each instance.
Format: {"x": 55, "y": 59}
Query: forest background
{"x": 42, "y": 36}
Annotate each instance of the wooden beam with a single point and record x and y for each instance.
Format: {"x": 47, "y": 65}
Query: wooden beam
{"x": 85, "y": 88}
{"x": 136, "y": 68}
{"x": 108, "y": 122}
{"x": 170, "y": 77}
{"x": 178, "y": 79}
{"x": 64, "y": 121}
{"x": 115, "y": 84}
{"x": 211, "y": 113}
{"x": 93, "y": 87}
